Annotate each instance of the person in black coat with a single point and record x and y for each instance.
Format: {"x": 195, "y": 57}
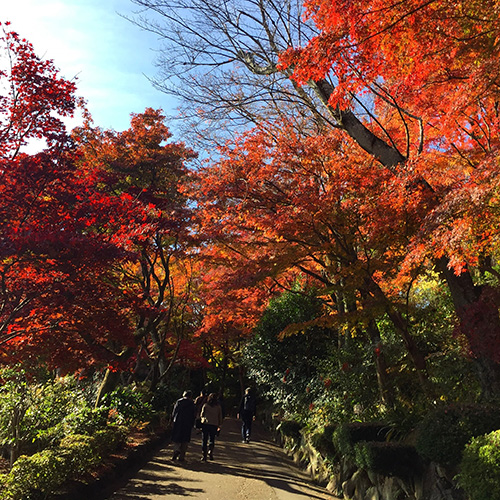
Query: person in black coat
{"x": 183, "y": 416}
{"x": 246, "y": 413}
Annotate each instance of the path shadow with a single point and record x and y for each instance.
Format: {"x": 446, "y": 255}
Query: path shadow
{"x": 261, "y": 459}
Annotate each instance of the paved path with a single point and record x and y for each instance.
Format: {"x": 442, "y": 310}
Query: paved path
{"x": 256, "y": 471}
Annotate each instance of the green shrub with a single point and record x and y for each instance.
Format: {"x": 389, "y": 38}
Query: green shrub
{"x": 287, "y": 368}
{"x": 323, "y": 441}
{"x": 388, "y": 459}
{"x": 290, "y": 428}
{"x": 346, "y": 436}
{"x": 4, "y": 478}
{"x": 80, "y": 453}
{"x": 163, "y": 398}
{"x": 129, "y": 405}
{"x": 32, "y": 410}
{"x": 40, "y": 473}
{"x": 86, "y": 420}
{"x": 110, "y": 439}
{"x": 444, "y": 432}
{"x": 83, "y": 420}
{"x": 52, "y": 401}
{"x": 50, "y": 437}
{"x": 480, "y": 467}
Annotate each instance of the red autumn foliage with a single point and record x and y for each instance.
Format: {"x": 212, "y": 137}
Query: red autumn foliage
{"x": 142, "y": 165}
{"x": 57, "y": 300}
{"x": 425, "y": 75}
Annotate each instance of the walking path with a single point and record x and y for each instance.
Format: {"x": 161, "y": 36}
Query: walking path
{"x": 259, "y": 470}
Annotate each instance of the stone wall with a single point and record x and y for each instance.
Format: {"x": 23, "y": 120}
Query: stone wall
{"x": 345, "y": 480}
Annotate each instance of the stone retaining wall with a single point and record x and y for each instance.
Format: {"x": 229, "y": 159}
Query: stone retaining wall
{"x": 346, "y": 480}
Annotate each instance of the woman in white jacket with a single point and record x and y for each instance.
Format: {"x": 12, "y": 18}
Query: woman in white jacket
{"x": 211, "y": 421}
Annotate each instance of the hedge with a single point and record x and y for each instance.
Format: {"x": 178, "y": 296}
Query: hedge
{"x": 346, "y": 436}
{"x": 480, "y": 467}
{"x": 388, "y": 459}
{"x": 444, "y": 432}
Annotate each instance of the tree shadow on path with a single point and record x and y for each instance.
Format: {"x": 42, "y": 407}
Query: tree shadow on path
{"x": 240, "y": 471}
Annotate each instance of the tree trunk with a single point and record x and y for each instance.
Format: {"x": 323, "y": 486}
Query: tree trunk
{"x": 479, "y": 319}
{"x": 479, "y": 322}
{"x": 14, "y": 446}
{"x": 414, "y": 352}
{"x": 364, "y": 137}
{"x": 108, "y": 384}
{"x": 401, "y": 326}
{"x": 385, "y": 387}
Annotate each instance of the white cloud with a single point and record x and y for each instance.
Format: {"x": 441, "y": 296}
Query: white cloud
{"x": 107, "y": 53}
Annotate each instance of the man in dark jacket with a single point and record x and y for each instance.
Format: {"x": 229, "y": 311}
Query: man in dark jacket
{"x": 246, "y": 413}
{"x": 183, "y": 417}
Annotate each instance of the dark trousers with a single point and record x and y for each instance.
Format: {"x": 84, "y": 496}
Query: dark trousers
{"x": 246, "y": 426}
{"x": 180, "y": 450}
{"x": 208, "y": 436}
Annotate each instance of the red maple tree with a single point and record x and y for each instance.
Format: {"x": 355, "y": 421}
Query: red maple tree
{"x": 159, "y": 279}
{"x": 57, "y": 302}
{"x": 425, "y": 76}
{"x": 278, "y": 205}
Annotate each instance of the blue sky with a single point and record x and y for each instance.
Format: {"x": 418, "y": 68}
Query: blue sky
{"x": 109, "y": 55}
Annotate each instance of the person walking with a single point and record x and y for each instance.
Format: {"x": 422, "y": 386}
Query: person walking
{"x": 198, "y": 403}
{"x": 246, "y": 413}
{"x": 211, "y": 421}
{"x": 183, "y": 416}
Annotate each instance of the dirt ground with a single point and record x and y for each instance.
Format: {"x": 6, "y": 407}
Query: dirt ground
{"x": 259, "y": 470}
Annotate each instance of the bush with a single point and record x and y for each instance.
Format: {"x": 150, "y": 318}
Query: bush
{"x": 388, "y": 459}
{"x": 290, "y": 428}
{"x": 86, "y": 420}
{"x": 164, "y": 398}
{"x": 480, "y": 467}
{"x": 79, "y": 452}
{"x": 46, "y": 438}
{"x": 286, "y": 368}
{"x": 443, "y": 433}
{"x": 323, "y": 441}
{"x": 346, "y": 436}
{"x": 130, "y": 406}
{"x": 110, "y": 439}
{"x": 31, "y": 411}
{"x": 40, "y": 473}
